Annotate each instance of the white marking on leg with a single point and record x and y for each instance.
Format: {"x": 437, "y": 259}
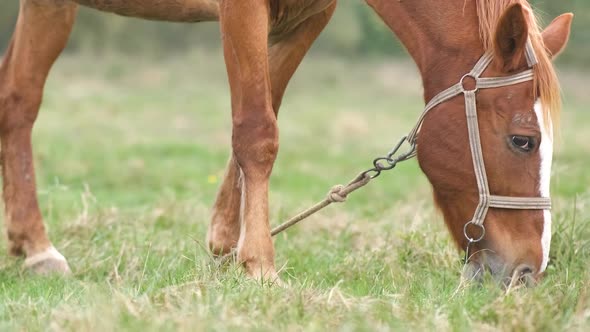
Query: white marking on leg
{"x": 242, "y": 237}
{"x": 49, "y": 253}
{"x": 546, "y": 153}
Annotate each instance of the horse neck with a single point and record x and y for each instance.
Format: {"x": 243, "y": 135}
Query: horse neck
{"x": 441, "y": 36}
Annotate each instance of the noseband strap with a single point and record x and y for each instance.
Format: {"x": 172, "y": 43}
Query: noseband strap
{"x": 486, "y": 199}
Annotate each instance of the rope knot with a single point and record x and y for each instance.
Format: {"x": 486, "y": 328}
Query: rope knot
{"x": 336, "y": 195}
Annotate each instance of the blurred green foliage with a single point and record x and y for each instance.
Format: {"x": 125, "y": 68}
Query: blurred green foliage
{"x": 355, "y": 30}
{"x": 578, "y": 50}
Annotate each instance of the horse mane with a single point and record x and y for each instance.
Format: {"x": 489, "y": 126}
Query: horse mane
{"x": 545, "y": 83}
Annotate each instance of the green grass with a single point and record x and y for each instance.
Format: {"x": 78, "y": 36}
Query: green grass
{"x": 129, "y": 153}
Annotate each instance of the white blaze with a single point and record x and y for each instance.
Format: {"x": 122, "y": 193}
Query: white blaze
{"x": 546, "y": 152}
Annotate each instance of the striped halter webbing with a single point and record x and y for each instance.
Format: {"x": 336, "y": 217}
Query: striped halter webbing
{"x": 486, "y": 199}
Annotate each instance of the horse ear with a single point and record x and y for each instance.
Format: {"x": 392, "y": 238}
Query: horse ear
{"x": 511, "y": 36}
{"x": 556, "y": 35}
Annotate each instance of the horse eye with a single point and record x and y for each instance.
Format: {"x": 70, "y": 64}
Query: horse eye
{"x": 523, "y": 143}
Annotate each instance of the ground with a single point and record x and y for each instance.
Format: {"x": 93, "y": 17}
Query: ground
{"x": 130, "y": 152}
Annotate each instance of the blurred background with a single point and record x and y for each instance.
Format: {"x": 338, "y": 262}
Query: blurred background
{"x": 355, "y": 31}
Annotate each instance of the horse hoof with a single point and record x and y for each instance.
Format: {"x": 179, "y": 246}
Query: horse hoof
{"x": 277, "y": 282}
{"x": 273, "y": 281}
{"x": 270, "y": 278}
{"x": 48, "y": 262}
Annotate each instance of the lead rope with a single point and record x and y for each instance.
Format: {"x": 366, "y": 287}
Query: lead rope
{"x": 339, "y": 193}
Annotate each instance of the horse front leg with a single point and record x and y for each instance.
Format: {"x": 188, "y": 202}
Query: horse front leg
{"x": 285, "y": 55}
{"x": 41, "y": 34}
{"x": 244, "y": 25}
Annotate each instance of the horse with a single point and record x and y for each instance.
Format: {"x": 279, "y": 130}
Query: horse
{"x": 264, "y": 41}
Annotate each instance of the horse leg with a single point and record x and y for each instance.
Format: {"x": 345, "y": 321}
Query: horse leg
{"x": 244, "y": 25}
{"x": 42, "y": 30}
{"x": 285, "y": 55}
{"x": 224, "y": 228}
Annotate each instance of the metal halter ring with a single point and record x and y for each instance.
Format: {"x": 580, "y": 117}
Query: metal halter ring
{"x": 470, "y": 239}
{"x": 462, "y": 83}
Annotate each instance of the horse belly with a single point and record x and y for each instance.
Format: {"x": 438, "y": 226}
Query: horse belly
{"x": 161, "y": 10}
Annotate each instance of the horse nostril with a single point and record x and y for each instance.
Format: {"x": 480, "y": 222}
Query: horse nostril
{"x": 523, "y": 274}
{"x": 524, "y": 270}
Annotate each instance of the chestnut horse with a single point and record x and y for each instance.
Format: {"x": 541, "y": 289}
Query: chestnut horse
{"x": 264, "y": 41}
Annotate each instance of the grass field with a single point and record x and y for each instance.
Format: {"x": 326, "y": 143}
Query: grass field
{"x": 129, "y": 153}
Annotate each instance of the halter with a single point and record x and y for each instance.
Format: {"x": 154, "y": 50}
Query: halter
{"x": 486, "y": 199}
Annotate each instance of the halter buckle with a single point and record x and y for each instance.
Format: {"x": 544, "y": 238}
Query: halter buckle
{"x": 471, "y": 239}
{"x": 462, "y": 83}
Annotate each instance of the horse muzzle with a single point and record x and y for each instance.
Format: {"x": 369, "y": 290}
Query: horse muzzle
{"x": 507, "y": 275}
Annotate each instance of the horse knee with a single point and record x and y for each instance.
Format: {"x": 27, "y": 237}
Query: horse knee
{"x": 20, "y": 95}
{"x": 255, "y": 143}
{"x": 18, "y": 109}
